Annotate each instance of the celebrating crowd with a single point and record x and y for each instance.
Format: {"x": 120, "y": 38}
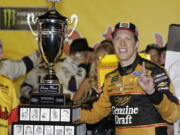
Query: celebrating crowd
{"x": 136, "y": 98}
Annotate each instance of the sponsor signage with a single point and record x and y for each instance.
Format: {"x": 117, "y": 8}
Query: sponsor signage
{"x": 15, "y": 18}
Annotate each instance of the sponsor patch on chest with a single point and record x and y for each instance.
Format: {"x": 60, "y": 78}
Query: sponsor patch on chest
{"x": 137, "y": 73}
{"x": 115, "y": 78}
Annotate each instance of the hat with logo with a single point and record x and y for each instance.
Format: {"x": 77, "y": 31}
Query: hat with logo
{"x": 79, "y": 45}
{"x": 125, "y": 26}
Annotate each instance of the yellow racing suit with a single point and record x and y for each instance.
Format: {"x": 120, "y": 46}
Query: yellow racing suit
{"x": 8, "y": 103}
{"x": 135, "y": 113}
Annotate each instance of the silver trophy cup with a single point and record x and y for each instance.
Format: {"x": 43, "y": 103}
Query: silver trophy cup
{"x": 51, "y": 33}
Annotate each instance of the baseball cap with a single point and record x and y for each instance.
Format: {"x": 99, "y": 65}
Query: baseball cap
{"x": 152, "y": 46}
{"x": 125, "y": 26}
{"x": 79, "y": 45}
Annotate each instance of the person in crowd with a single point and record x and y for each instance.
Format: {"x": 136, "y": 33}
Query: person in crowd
{"x": 11, "y": 69}
{"x": 88, "y": 91}
{"x": 8, "y": 104}
{"x": 158, "y": 56}
{"x": 154, "y": 52}
{"x": 16, "y": 68}
{"x": 80, "y": 47}
{"x": 135, "y": 91}
{"x": 106, "y": 41}
{"x": 75, "y": 68}
{"x": 174, "y": 107}
{"x": 32, "y": 81}
{"x": 90, "y": 84}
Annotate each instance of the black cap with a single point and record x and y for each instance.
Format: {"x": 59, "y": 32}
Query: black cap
{"x": 79, "y": 45}
{"x": 152, "y": 46}
{"x": 125, "y": 26}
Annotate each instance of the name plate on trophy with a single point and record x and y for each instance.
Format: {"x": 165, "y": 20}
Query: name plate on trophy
{"x": 46, "y": 129}
{"x": 49, "y": 88}
{"x": 53, "y": 114}
{"x": 55, "y": 99}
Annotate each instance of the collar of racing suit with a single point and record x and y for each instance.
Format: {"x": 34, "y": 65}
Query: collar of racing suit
{"x": 130, "y": 68}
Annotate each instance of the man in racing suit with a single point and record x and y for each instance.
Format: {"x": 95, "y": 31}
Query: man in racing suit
{"x": 124, "y": 91}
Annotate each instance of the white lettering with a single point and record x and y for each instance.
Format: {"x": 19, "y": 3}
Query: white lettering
{"x": 125, "y": 110}
{"x": 123, "y": 120}
{"x": 160, "y": 79}
{"x": 159, "y": 75}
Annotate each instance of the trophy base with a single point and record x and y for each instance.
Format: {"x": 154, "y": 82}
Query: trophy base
{"x": 49, "y": 99}
{"x": 46, "y": 129}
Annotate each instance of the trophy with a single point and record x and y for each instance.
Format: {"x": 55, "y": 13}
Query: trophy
{"x": 48, "y": 111}
{"x": 51, "y": 33}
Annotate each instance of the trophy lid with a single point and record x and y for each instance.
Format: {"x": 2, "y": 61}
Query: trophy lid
{"x": 52, "y": 15}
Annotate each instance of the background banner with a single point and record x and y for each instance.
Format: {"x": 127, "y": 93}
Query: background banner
{"x": 96, "y": 19}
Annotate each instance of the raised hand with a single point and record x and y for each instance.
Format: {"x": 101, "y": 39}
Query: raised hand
{"x": 145, "y": 81}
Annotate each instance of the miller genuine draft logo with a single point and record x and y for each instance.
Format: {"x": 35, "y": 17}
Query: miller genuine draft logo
{"x": 15, "y": 18}
{"x": 121, "y": 101}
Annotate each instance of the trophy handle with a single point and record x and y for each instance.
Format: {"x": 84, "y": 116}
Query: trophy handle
{"x": 74, "y": 17}
{"x": 29, "y": 18}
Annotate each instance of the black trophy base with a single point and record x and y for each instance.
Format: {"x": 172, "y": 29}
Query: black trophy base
{"x": 49, "y": 99}
{"x": 46, "y": 129}
{"x": 46, "y": 114}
